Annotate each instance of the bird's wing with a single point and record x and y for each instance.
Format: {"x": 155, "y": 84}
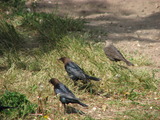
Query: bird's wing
{"x": 63, "y": 90}
{"x": 68, "y": 99}
{"x": 74, "y": 70}
{"x": 122, "y": 57}
{"x": 112, "y": 52}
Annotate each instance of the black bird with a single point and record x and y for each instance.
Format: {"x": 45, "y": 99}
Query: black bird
{"x": 5, "y": 107}
{"x": 114, "y": 54}
{"x": 75, "y": 72}
{"x": 66, "y": 96}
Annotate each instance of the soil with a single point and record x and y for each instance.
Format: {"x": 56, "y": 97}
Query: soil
{"x": 132, "y": 25}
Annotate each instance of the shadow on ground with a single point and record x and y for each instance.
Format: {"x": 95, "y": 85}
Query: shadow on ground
{"x": 110, "y": 18}
{"x": 71, "y": 110}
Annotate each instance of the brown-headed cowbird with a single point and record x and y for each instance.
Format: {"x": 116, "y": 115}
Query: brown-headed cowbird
{"x": 66, "y": 96}
{"x": 75, "y": 72}
{"x": 5, "y": 107}
{"x": 114, "y": 54}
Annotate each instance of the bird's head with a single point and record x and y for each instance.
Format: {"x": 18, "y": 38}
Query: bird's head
{"x": 64, "y": 60}
{"x": 54, "y": 81}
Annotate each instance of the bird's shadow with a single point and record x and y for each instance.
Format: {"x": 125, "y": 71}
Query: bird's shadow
{"x": 92, "y": 89}
{"x": 123, "y": 67}
{"x": 88, "y": 87}
{"x": 71, "y": 110}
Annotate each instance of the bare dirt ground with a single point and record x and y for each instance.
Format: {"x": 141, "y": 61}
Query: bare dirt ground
{"x": 133, "y": 25}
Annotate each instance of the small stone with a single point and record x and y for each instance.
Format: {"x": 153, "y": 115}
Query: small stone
{"x": 94, "y": 108}
{"x": 138, "y": 45}
{"x": 117, "y": 75}
{"x": 7, "y": 12}
{"x": 104, "y": 107}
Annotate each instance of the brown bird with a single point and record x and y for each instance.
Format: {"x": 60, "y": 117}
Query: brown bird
{"x": 114, "y": 54}
{"x": 66, "y": 96}
{"x": 75, "y": 72}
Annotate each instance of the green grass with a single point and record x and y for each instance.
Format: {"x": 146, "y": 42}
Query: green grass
{"x": 14, "y": 5}
{"x": 39, "y": 68}
{"x": 51, "y": 27}
{"x": 142, "y": 115}
{"x": 22, "y": 106}
{"x": 10, "y": 38}
{"x": 28, "y": 69}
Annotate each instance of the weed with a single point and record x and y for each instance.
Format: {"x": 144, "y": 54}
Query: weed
{"x": 19, "y": 101}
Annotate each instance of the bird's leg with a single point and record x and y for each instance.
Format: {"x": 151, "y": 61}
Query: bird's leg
{"x": 88, "y": 83}
{"x": 64, "y": 108}
{"x": 75, "y": 83}
{"x": 85, "y": 82}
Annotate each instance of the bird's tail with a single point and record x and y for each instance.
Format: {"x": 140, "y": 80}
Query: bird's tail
{"x": 129, "y": 63}
{"x": 93, "y": 78}
{"x": 84, "y": 105}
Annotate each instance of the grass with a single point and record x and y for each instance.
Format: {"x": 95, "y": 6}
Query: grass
{"x": 27, "y": 70}
{"x": 51, "y": 27}
{"x": 139, "y": 115}
{"x": 10, "y": 38}
{"x": 22, "y": 106}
